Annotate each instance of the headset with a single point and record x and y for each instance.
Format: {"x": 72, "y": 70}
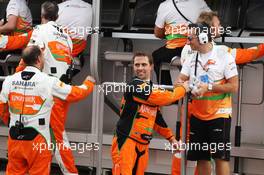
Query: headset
{"x": 203, "y": 32}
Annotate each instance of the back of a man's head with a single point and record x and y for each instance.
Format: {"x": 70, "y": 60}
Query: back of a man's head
{"x": 49, "y": 10}
{"x": 207, "y": 17}
{"x": 30, "y": 55}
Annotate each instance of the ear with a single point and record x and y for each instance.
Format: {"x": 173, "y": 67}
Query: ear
{"x": 39, "y": 60}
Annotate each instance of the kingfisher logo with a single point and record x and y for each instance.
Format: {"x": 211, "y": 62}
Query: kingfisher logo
{"x": 28, "y": 104}
{"x": 152, "y": 111}
{"x": 210, "y": 62}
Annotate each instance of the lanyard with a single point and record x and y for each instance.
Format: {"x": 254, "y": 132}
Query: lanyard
{"x": 205, "y": 68}
{"x": 196, "y": 62}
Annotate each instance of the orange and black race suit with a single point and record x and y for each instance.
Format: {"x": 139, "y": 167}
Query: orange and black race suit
{"x": 139, "y": 116}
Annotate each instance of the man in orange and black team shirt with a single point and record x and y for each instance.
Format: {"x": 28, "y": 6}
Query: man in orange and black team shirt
{"x": 139, "y": 116}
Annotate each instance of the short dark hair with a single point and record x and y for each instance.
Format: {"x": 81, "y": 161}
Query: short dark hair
{"x": 141, "y": 54}
{"x": 30, "y": 55}
{"x": 49, "y": 10}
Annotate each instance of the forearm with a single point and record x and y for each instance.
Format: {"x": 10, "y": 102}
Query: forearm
{"x": 78, "y": 92}
{"x": 164, "y": 97}
{"x": 161, "y": 127}
{"x": 159, "y": 32}
{"x": 247, "y": 55}
{"x": 160, "y": 35}
{"x": 225, "y": 88}
{"x": 179, "y": 92}
{"x": 164, "y": 132}
{"x": 6, "y": 29}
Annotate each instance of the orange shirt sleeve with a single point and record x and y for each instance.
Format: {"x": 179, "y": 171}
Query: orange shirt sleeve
{"x": 247, "y": 55}
{"x": 78, "y": 93}
{"x": 144, "y": 93}
{"x": 165, "y": 97}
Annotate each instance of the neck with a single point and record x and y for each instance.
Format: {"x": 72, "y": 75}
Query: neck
{"x": 145, "y": 79}
{"x": 44, "y": 21}
{"x": 36, "y": 66}
{"x": 205, "y": 48}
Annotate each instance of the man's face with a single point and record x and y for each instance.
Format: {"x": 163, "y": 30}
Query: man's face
{"x": 216, "y": 27}
{"x": 193, "y": 39}
{"x": 142, "y": 67}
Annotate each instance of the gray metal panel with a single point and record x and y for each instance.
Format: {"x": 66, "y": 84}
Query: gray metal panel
{"x": 152, "y": 37}
{"x": 95, "y": 40}
{"x": 247, "y": 150}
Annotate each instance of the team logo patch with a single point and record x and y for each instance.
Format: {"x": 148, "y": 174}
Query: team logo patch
{"x": 147, "y": 110}
{"x": 211, "y": 62}
{"x": 25, "y": 104}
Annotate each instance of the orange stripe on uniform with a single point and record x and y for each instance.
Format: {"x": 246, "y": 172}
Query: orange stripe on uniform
{"x": 4, "y": 113}
{"x": 78, "y": 46}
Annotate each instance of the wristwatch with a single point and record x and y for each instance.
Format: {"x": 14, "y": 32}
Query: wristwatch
{"x": 210, "y": 87}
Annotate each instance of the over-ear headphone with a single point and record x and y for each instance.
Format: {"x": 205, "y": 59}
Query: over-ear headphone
{"x": 204, "y": 33}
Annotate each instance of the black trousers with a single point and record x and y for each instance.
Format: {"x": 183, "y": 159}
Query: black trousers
{"x": 161, "y": 55}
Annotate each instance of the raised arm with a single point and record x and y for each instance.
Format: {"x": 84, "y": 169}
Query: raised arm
{"x": 145, "y": 93}
{"x": 243, "y": 56}
{"x": 73, "y": 93}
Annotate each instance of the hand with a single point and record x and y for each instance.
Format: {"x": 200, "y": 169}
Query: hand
{"x": 178, "y": 82}
{"x": 202, "y": 88}
{"x": 186, "y": 86}
{"x": 90, "y": 78}
{"x": 175, "y": 144}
